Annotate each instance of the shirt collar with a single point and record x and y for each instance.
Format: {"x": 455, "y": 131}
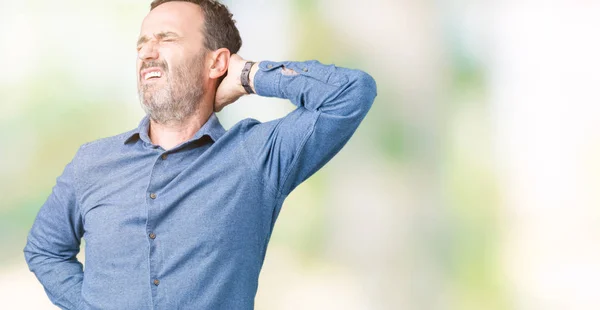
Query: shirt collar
{"x": 211, "y": 128}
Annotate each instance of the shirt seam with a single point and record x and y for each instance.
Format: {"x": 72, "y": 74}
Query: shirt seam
{"x": 298, "y": 151}
{"x": 77, "y": 182}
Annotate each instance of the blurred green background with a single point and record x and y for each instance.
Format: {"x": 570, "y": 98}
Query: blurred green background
{"x": 472, "y": 183}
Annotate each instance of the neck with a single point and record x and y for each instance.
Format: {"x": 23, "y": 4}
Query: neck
{"x": 170, "y": 135}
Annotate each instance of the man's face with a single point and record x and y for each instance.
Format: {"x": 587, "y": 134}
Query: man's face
{"x": 170, "y": 62}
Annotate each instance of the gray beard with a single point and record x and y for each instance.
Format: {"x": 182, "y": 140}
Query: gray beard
{"x": 179, "y": 99}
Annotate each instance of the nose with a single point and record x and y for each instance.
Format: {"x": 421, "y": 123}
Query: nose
{"x": 148, "y": 51}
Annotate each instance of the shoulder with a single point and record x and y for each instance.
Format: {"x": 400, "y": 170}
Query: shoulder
{"x": 97, "y": 156}
{"x": 250, "y": 128}
{"x": 105, "y": 144}
{"x": 244, "y": 126}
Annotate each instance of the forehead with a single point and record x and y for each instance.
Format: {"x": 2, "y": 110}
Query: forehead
{"x": 184, "y": 18}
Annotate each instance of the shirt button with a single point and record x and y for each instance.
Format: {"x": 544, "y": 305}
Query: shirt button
{"x": 305, "y": 69}
{"x": 164, "y": 156}
{"x": 156, "y": 282}
{"x": 269, "y": 66}
{"x": 152, "y": 235}
{"x": 153, "y": 196}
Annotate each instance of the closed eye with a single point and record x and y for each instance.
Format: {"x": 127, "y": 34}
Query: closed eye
{"x": 167, "y": 36}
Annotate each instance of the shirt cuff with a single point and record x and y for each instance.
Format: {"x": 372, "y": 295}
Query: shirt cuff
{"x": 267, "y": 79}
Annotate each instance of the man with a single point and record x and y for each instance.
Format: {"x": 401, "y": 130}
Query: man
{"x": 177, "y": 213}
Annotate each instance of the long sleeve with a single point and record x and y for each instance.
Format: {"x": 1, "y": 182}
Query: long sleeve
{"x": 331, "y": 101}
{"x": 54, "y": 241}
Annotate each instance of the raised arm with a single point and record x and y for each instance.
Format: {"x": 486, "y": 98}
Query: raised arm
{"x": 331, "y": 101}
{"x": 53, "y": 243}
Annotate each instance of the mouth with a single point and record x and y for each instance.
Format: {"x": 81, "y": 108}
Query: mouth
{"x": 151, "y": 74}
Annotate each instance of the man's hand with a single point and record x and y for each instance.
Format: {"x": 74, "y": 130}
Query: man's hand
{"x": 231, "y": 88}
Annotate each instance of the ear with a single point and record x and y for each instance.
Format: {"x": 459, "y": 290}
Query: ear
{"x": 218, "y": 63}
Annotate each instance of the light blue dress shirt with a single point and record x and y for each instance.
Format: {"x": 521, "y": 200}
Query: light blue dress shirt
{"x": 188, "y": 228}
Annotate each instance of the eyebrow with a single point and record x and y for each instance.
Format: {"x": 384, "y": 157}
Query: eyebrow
{"x": 160, "y": 35}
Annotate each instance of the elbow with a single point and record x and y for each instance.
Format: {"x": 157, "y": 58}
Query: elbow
{"x": 352, "y": 95}
{"x": 34, "y": 256}
{"x": 361, "y": 90}
{"x": 30, "y": 254}
{"x": 367, "y": 85}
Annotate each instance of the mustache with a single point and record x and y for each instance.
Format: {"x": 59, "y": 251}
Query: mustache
{"x": 159, "y": 64}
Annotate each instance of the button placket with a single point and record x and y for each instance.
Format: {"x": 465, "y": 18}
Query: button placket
{"x": 154, "y": 207}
